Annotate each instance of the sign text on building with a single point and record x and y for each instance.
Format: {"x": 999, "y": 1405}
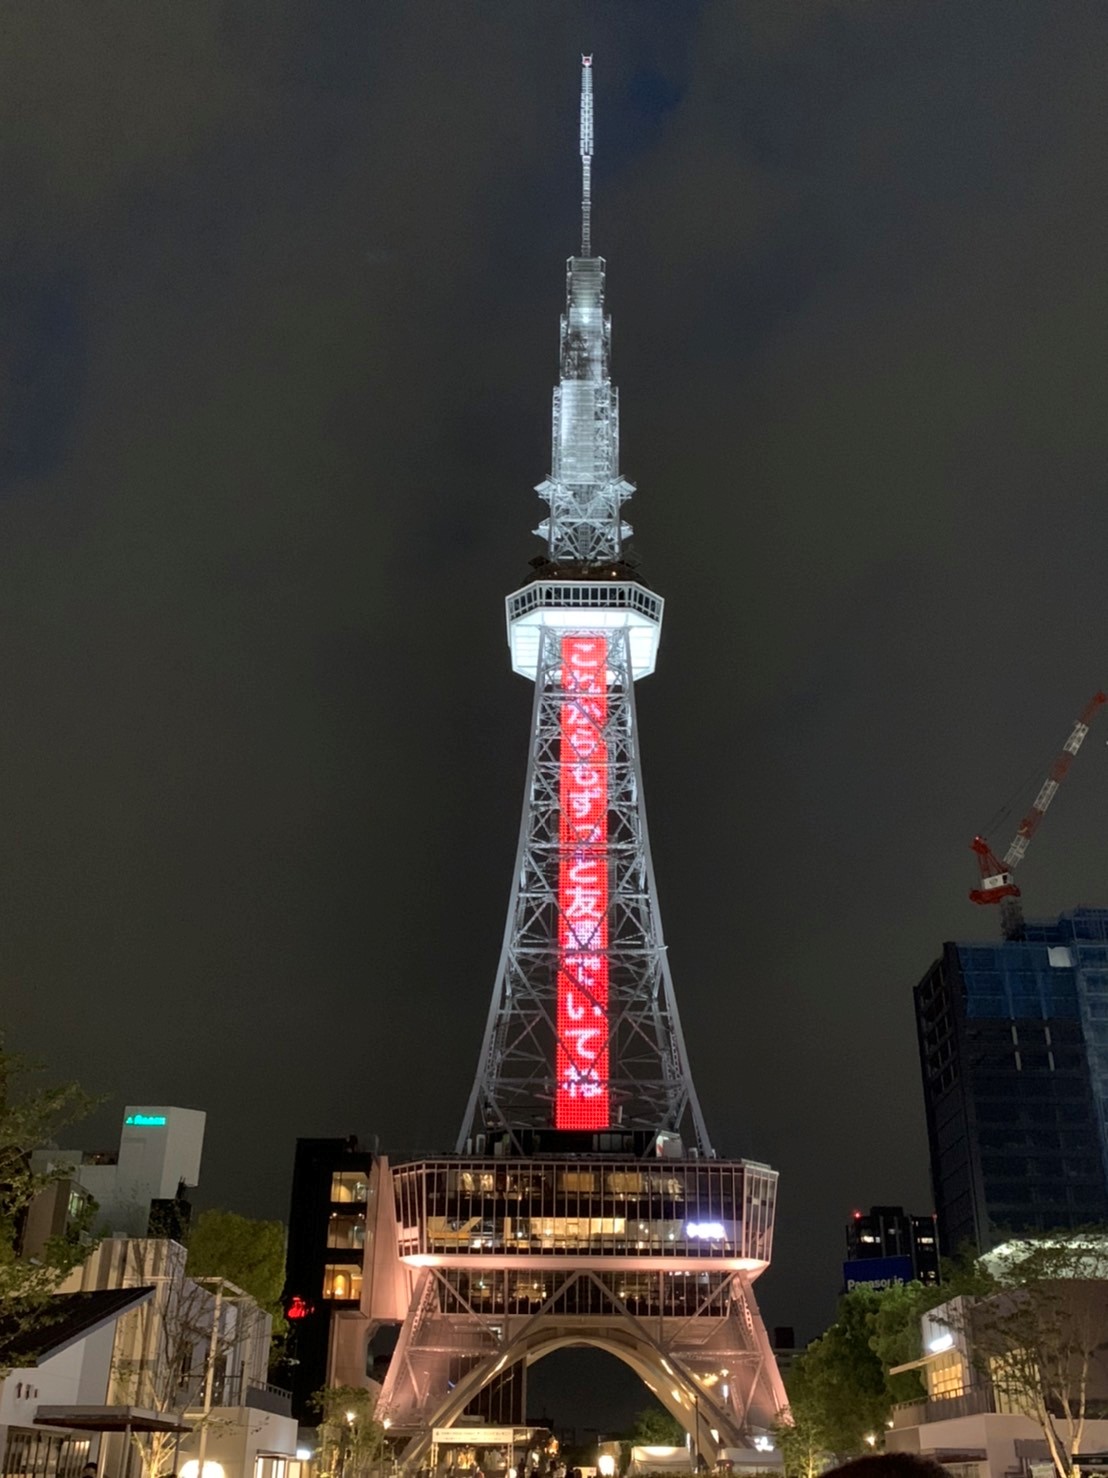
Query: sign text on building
{"x": 581, "y": 1056}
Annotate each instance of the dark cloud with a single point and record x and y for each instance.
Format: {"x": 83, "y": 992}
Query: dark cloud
{"x": 281, "y": 286}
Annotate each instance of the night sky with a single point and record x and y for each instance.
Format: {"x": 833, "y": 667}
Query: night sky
{"x": 280, "y": 287}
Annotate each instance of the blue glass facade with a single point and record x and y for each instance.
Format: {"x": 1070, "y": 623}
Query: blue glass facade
{"x": 1013, "y": 1042}
{"x": 1017, "y": 982}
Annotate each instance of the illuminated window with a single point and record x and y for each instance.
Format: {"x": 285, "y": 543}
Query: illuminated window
{"x": 346, "y": 1231}
{"x": 477, "y": 1180}
{"x": 342, "y": 1281}
{"x": 626, "y": 1182}
{"x": 348, "y": 1185}
{"x": 1013, "y": 1377}
{"x": 578, "y": 1180}
{"x": 946, "y": 1377}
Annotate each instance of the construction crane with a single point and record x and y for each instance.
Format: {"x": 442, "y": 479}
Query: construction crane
{"x": 997, "y": 882}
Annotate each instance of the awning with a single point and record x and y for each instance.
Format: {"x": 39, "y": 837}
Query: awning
{"x": 108, "y": 1419}
{"x": 918, "y": 1364}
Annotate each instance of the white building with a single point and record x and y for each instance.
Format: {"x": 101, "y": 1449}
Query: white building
{"x": 64, "y": 1366}
{"x": 159, "y": 1155}
{"x": 237, "y": 1425}
{"x": 966, "y": 1422}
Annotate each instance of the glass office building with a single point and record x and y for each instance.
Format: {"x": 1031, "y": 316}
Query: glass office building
{"x": 1013, "y": 1039}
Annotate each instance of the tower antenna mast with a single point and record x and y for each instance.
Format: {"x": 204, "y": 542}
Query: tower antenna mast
{"x": 586, "y": 156}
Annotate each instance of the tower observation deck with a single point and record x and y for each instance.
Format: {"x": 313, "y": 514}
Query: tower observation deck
{"x": 584, "y": 1203}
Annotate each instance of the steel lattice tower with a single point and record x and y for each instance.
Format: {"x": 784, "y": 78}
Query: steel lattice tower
{"x": 583, "y": 964}
{"x": 584, "y": 1203}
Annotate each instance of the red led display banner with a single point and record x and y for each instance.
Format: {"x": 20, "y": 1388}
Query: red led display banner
{"x": 581, "y": 1056}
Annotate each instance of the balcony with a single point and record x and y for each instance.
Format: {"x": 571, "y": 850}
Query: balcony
{"x": 240, "y": 1390}
{"x": 974, "y": 1402}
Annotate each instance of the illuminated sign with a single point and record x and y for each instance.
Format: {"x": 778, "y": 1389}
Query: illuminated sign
{"x": 878, "y": 1273}
{"x": 298, "y": 1309}
{"x": 145, "y": 1120}
{"x": 713, "y": 1231}
{"x": 581, "y": 1055}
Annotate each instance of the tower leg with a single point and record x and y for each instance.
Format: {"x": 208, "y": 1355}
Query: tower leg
{"x": 711, "y": 1367}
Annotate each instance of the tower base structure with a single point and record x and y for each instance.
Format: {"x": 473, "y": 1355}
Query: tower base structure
{"x": 498, "y": 1261}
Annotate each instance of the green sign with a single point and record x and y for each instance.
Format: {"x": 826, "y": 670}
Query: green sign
{"x": 145, "y": 1119}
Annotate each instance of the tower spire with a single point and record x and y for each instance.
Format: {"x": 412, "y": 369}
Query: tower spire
{"x": 584, "y": 488}
{"x": 586, "y": 156}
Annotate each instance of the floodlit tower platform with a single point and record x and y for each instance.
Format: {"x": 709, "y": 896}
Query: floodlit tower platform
{"x": 584, "y": 1204}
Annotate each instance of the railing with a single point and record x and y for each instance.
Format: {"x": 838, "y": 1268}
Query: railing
{"x": 240, "y": 1390}
{"x": 269, "y": 1398}
{"x": 973, "y": 1402}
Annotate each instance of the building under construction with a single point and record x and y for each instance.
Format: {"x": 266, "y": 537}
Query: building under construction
{"x": 1013, "y": 1038}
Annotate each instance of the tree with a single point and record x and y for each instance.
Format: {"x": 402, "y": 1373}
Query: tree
{"x": 654, "y": 1427}
{"x": 895, "y": 1336}
{"x": 244, "y": 1251}
{"x": 1040, "y": 1336}
{"x": 839, "y": 1381}
{"x": 29, "y": 1118}
{"x": 801, "y": 1429}
{"x": 351, "y": 1439}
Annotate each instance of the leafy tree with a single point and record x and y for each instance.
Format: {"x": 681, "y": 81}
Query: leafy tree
{"x": 840, "y": 1381}
{"x": 351, "y": 1439}
{"x": 801, "y": 1430}
{"x": 895, "y": 1336}
{"x": 30, "y": 1116}
{"x": 654, "y": 1427}
{"x": 244, "y": 1251}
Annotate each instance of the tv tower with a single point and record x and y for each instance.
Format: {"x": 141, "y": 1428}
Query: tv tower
{"x": 584, "y": 1203}
{"x": 583, "y": 964}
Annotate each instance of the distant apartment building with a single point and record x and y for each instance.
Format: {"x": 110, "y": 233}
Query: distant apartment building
{"x": 323, "y": 1280}
{"x": 1013, "y": 1041}
{"x": 139, "y": 1188}
{"x": 886, "y": 1245}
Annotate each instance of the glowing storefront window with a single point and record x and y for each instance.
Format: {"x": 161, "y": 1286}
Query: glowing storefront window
{"x": 581, "y": 1055}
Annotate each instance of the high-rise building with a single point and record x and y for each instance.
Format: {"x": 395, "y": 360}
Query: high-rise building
{"x": 584, "y": 1203}
{"x": 323, "y": 1268}
{"x": 888, "y": 1233}
{"x": 1013, "y": 1039}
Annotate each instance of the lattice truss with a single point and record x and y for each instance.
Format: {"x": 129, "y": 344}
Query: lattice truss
{"x": 650, "y": 1084}
{"x": 585, "y": 490}
{"x": 697, "y": 1340}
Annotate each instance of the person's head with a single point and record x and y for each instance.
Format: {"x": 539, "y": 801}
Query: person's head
{"x": 889, "y": 1465}
{"x": 88, "y": 1471}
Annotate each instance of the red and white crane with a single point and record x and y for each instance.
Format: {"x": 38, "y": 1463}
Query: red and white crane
{"x": 997, "y": 882}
